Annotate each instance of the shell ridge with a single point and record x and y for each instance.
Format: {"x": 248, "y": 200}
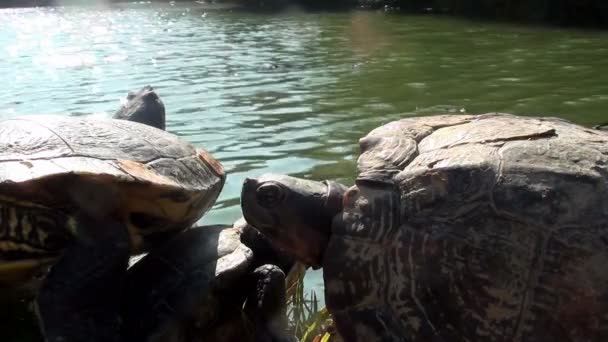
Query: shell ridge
{"x": 159, "y": 154}
{"x": 52, "y": 131}
{"x": 77, "y": 156}
{"x": 207, "y": 173}
{"x": 413, "y": 285}
{"x": 534, "y": 136}
{"x": 531, "y": 282}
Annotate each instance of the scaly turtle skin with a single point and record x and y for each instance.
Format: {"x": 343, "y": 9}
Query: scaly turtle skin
{"x": 459, "y": 228}
{"x": 69, "y": 187}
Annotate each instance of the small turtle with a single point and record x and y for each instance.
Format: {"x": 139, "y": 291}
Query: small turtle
{"x": 459, "y": 228}
{"x": 191, "y": 288}
{"x": 83, "y": 194}
{"x": 211, "y": 283}
{"x": 143, "y": 106}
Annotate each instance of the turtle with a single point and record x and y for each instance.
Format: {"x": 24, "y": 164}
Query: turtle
{"x": 143, "y": 106}
{"x": 210, "y": 283}
{"x": 222, "y": 282}
{"x": 81, "y": 194}
{"x": 489, "y": 227}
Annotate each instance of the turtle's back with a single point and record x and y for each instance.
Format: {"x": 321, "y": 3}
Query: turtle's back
{"x": 479, "y": 227}
{"x": 39, "y": 142}
{"x": 154, "y": 182}
{"x": 539, "y": 171}
{"x": 35, "y": 149}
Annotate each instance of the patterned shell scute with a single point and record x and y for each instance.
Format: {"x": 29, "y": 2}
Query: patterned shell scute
{"x": 38, "y": 146}
{"x": 491, "y": 227}
{"x": 477, "y": 131}
{"x": 388, "y": 149}
{"x": 527, "y": 168}
{"x": 41, "y": 142}
{"x": 51, "y": 136}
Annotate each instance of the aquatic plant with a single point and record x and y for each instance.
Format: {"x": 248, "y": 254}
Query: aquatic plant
{"x": 307, "y": 320}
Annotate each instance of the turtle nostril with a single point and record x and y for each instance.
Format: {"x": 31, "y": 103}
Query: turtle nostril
{"x": 249, "y": 183}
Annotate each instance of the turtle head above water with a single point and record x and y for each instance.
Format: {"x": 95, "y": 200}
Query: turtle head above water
{"x": 296, "y": 214}
{"x": 143, "y": 106}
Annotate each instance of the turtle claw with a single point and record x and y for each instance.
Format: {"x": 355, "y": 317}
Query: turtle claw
{"x": 80, "y": 298}
{"x": 266, "y": 304}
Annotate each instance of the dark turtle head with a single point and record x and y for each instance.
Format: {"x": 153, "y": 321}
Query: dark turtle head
{"x": 143, "y": 106}
{"x": 295, "y": 214}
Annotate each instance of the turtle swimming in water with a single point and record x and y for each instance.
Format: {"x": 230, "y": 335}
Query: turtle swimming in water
{"x": 83, "y": 194}
{"x": 459, "y": 228}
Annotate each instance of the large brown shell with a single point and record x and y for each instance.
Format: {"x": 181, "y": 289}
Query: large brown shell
{"x": 154, "y": 182}
{"x": 474, "y": 228}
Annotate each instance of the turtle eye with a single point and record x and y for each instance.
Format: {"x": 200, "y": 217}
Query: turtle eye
{"x": 270, "y": 194}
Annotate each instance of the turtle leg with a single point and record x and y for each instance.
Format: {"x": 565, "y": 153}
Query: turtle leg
{"x": 165, "y": 288}
{"x": 80, "y": 297}
{"x": 266, "y": 304}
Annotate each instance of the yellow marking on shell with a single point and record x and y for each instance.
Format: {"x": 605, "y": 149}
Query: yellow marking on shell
{"x": 21, "y": 203}
{"x": 16, "y": 272}
{"x": 71, "y": 225}
{"x": 143, "y": 172}
{"x": 152, "y": 203}
{"x": 42, "y": 236}
{"x": 26, "y": 226}
{"x": 8, "y": 246}
{"x": 12, "y": 221}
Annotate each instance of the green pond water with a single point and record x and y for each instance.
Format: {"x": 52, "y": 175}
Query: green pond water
{"x": 291, "y": 92}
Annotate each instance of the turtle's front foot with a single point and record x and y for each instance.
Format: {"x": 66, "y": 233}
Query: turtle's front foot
{"x": 80, "y": 298}
{"x": 266, "y": 304}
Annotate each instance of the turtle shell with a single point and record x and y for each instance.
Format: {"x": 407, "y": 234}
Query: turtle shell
{"x": 468, "y": 228}
{"x": 54, "y": 166}
{"x": 203, "y": 280}
{"x": 197, "y": 281}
